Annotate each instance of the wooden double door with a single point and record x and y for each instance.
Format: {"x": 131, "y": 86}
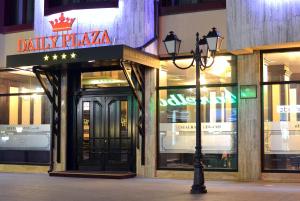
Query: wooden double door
{"x": 106, "y": 133}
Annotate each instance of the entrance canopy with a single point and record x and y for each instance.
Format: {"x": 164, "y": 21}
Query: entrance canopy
{"x": 106, "y": 53}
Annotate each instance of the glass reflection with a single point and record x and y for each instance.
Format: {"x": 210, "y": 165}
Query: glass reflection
{"x": 281, "y": 111}
{"x": 103, "y": 79}
{"x": 25, "y": 119}
{"x": 222, "y": 71}
{"x": 283, "y": 66}
{"x": 86, "y": 130}
{"x": 282, "y": 126}
{"x": 219, "y": 130}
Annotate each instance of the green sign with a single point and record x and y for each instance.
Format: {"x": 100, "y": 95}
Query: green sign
{"x": 182, "y": 100}
{"x": 248, "y": 91}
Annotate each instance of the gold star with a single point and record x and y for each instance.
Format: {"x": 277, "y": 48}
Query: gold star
{"x": 46, "y": 57}
{"x": 63, "y": 56}
{"x": 54, "y": 57}
{"x": 73, "y": 55}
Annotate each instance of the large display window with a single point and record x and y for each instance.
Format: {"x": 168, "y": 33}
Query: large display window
{"x": 281, "y": 111}
{"x": 223, "y": 71}
{"x": 25, "y": 119}
{"x": 177, "y": 117}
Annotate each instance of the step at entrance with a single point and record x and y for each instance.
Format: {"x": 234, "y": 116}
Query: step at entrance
{"x": 103, "y": 175}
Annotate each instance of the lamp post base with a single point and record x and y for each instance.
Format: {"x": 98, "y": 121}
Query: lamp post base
{"x": 198, "y": 189}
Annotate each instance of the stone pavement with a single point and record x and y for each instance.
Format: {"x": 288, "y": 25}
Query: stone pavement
{"x": 41, "y": 187}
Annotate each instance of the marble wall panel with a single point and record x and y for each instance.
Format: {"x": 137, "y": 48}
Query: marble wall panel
{"x": 132, "y": 23}
{"x": 253, "y": 23}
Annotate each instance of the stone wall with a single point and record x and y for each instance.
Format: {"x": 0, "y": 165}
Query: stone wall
{"x": 252, "y": 23}
{"x": 187, "y": 24}
{"x": 9, "y": 43}
{"x": 132, "y": 23}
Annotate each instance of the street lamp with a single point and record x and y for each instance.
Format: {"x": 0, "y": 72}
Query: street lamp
{"x": 205, "y": 49}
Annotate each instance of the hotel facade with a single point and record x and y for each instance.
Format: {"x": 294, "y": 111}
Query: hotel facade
{"x": 87, "y": 86}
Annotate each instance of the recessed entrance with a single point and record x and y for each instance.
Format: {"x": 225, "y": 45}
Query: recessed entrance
{"x": 96, "y": 75}
{"x": 105, "y": 137}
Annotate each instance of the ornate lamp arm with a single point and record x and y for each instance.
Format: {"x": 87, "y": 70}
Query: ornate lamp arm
{"x": 204, "y": 66}
{"x": 183, "y": 68}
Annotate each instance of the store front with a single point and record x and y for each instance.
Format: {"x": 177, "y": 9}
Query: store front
{"x": 98, "y": 106}
{"x": 83, "y": 92}
{"x": 86, "y": 103}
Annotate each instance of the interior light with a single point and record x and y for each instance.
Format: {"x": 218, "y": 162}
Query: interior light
{"x": 205, "y": 89}
{"x": 4, "y": 138}
{"x": 221, "y": 65}
{"x": 39, "y": 90}
{"x": 24, "y": 90}
{"x": 202, "y": 80}
{"x": 19, "y": 129}
{"x": 103, "y": 81}
{"x": 35, "y": 96}
{"x": 163, "y": 74}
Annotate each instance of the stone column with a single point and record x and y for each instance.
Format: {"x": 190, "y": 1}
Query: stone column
{"x": 63, "y": 129}
{"x": 149, "y": 169}
{"x": 249, "y": 122}
{"x": 150, "y": 122}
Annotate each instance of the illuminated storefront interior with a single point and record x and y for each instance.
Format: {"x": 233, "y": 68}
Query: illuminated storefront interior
{"x": 281, "y": 107}
{"x": 25, "y": 119}
{"x": 219, "y": 104}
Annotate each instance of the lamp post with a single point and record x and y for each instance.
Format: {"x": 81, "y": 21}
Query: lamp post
{"x": 205, "y": 48}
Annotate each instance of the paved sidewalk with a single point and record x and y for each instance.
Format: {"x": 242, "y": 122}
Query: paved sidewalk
{"x": 39, "y": 187}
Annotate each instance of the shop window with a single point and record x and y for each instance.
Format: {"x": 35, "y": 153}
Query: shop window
{"x": 281, "y": 111}
{"x": 25, "y": 119}
{"x": 222, "y": 72}
{"x": 177, "y": 120}
{"x": 54, "y": 6}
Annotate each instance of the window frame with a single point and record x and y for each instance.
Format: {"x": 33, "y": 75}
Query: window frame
{"x": 202, "y": 6}
{"x": 262, "y": 84}
{"x": 158, "y": 88}
{"x": 78, "y": 6}
{"x": 5, "y": 29}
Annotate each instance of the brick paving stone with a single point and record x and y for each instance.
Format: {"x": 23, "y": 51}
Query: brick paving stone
{"x": 41, "y": 187}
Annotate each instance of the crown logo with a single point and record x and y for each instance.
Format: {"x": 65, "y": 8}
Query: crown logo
{"x": 62, "y": 23}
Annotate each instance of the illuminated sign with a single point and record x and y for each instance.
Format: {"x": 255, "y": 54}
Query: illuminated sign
{"x": 181, "y": 100}
{"x": 248, "y": 91}
{"x": 65, "y": 39}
